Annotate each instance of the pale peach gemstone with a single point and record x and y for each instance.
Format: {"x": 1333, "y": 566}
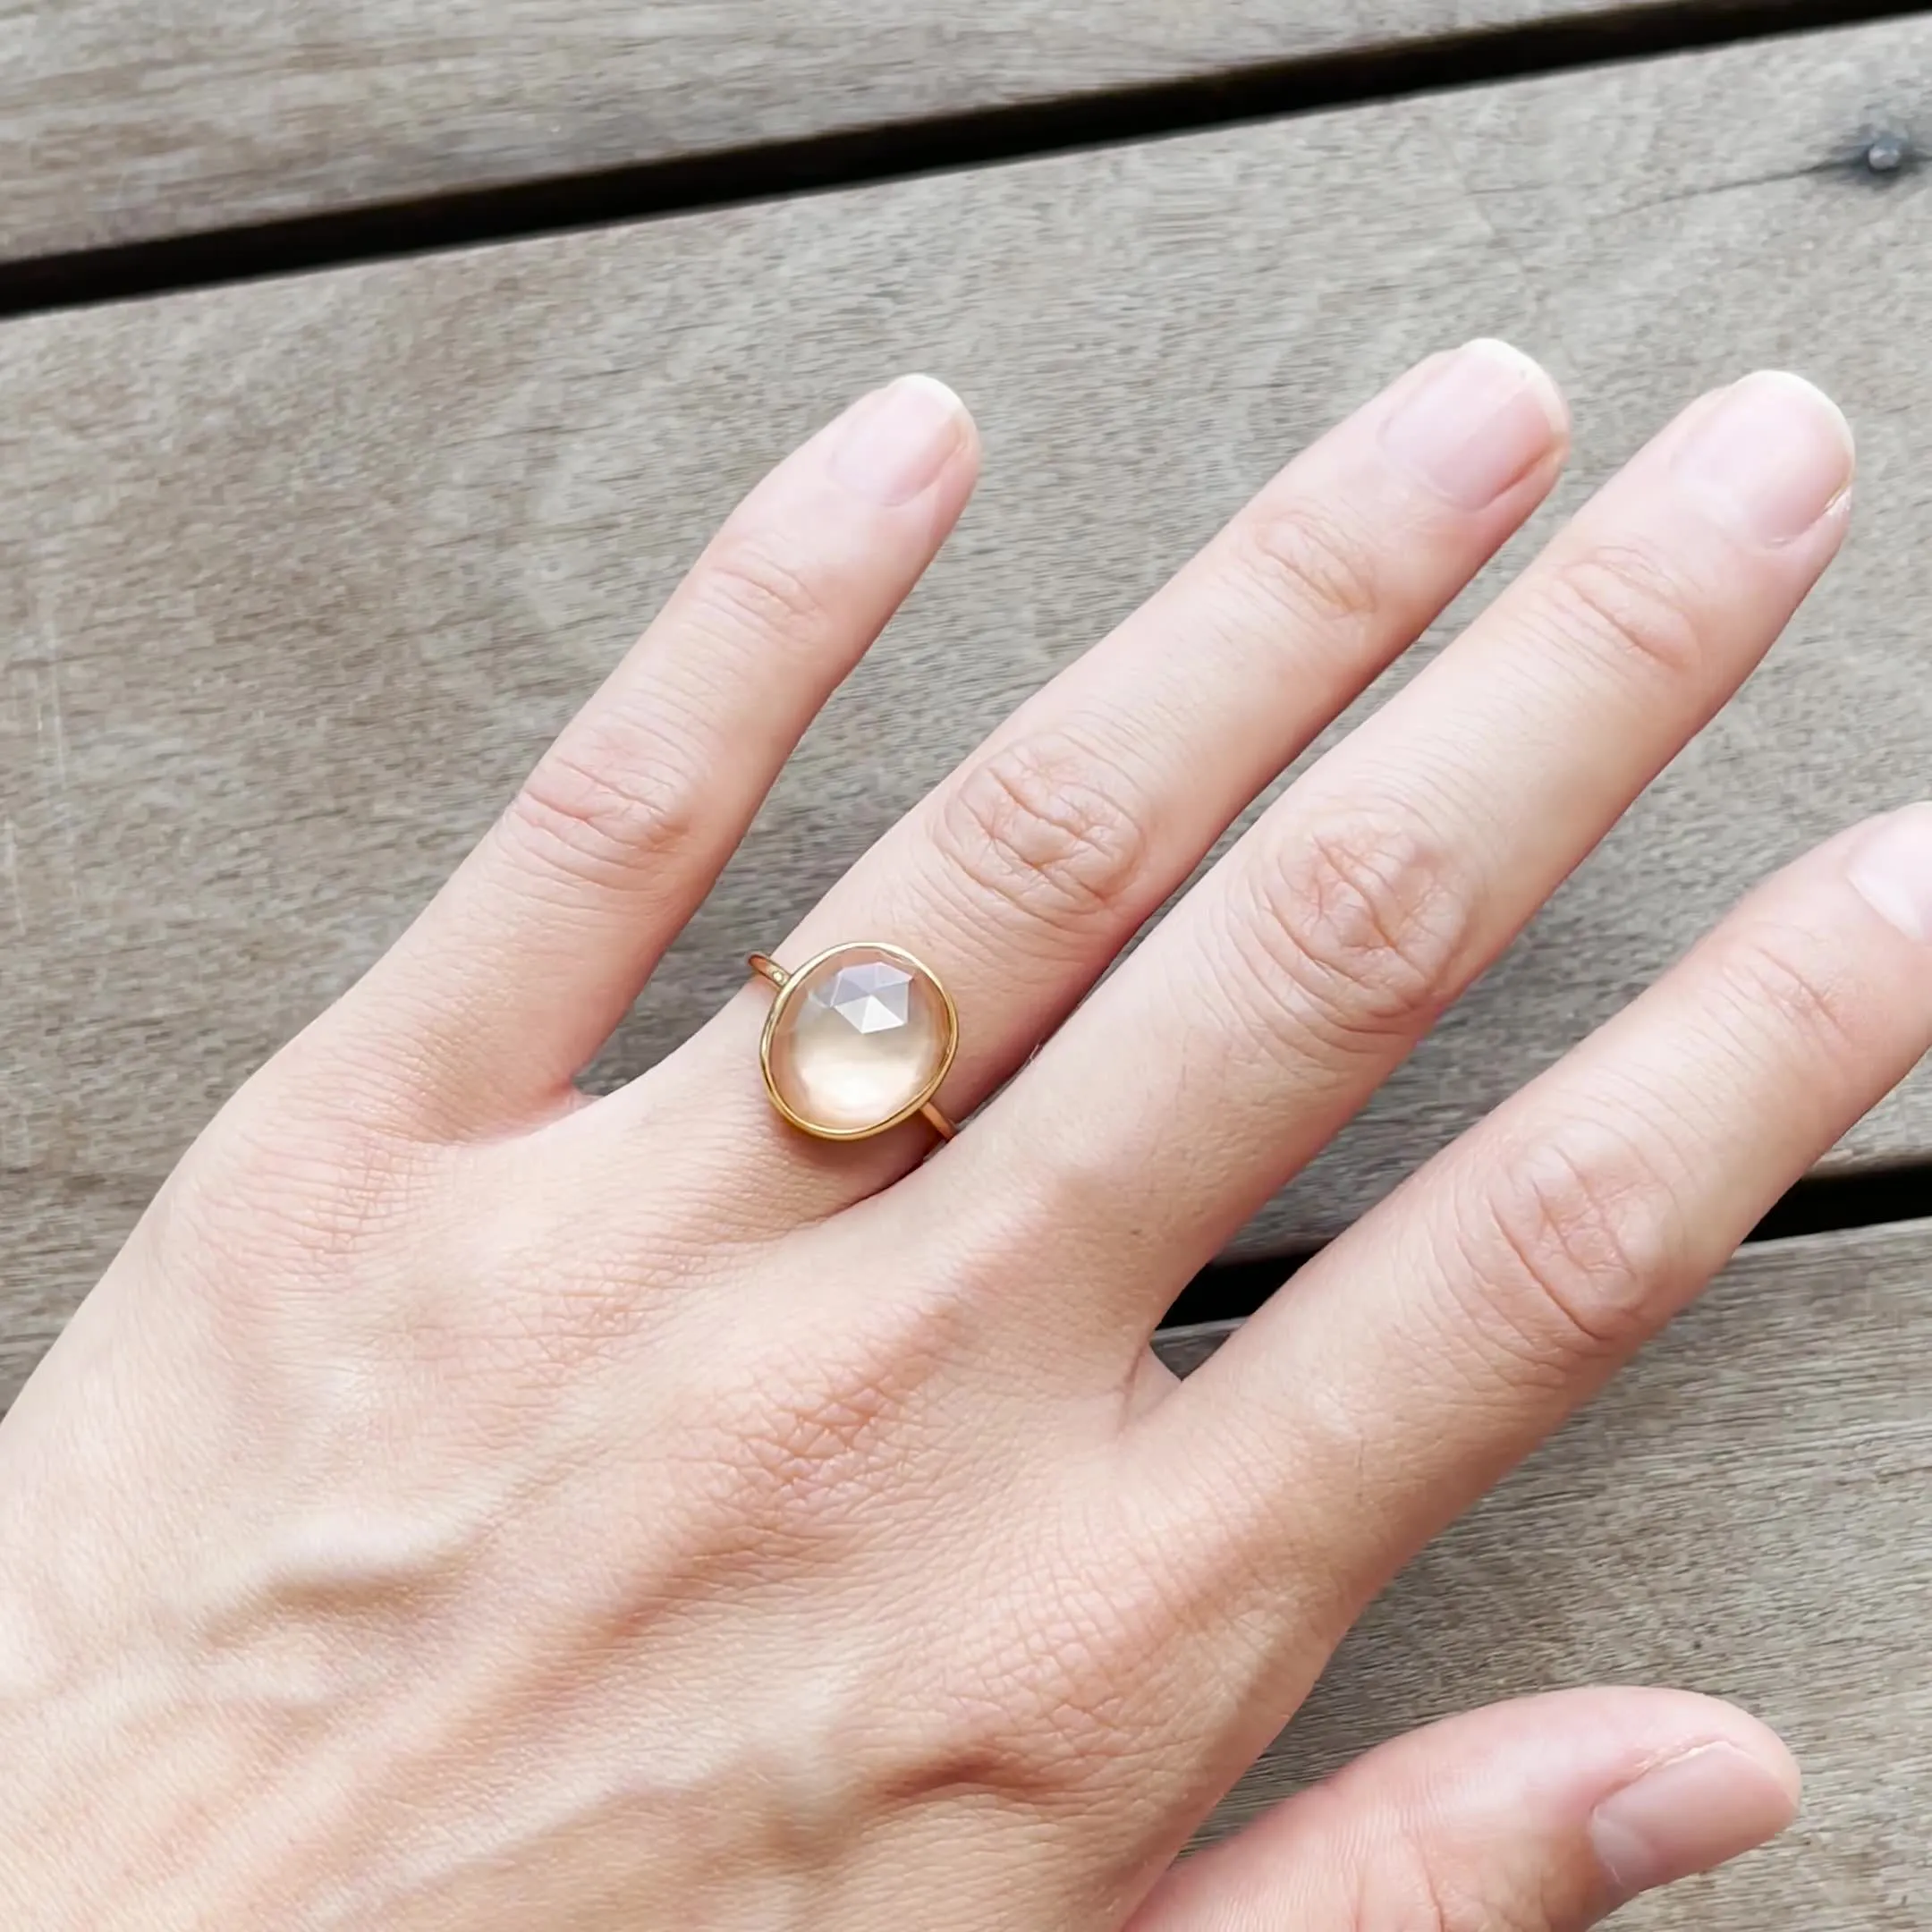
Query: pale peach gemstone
{"x": 859, "y": 1040}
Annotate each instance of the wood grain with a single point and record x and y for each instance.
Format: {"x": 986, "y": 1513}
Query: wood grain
{"x": 121, "y": 121}
{"x": 295, "y": 579}
{"x": 1746, "y": 1513}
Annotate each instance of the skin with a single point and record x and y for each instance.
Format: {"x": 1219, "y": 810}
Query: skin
{"x": 466, "y": 1504}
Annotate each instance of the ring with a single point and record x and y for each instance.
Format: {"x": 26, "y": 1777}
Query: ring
{"x": 857, "y": 1042}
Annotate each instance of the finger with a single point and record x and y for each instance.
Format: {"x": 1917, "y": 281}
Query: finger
{"x": 1543, "y": 1816}
{"x": 517, "y": 973}
{"x": 1456, "y": 1327}
{"x": 1024, "y": 873}
{"x": 1292, "y": 982}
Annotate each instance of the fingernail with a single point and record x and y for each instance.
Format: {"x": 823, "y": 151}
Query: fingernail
{"x": 895, "y": 442}
{"x": 1891, "y": 869}
{"x": 1773, "y": 456}
{"x": 1686, "y": 1816}
{"x": 1479, "y": 421}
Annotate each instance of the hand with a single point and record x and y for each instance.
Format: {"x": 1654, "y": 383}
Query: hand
{"x": 465, "y": 1504}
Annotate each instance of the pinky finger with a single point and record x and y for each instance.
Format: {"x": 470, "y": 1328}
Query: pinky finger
{"x": 1544, "y": 1816}
{"x": 531, "y": 955}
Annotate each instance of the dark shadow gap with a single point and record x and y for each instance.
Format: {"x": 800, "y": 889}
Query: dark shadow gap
{"x": 978, "y": 139}
{"x": 1822, "y": 1204}
{"x": 1832, "y": 1204}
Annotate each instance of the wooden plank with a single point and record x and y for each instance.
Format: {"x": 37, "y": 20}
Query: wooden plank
{"x": 121, "y": 121}
{"x": 296, "y": 578}
{"x": 1747, "y": 1513}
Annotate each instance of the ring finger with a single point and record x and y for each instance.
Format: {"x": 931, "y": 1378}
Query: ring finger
{"x": 1024, "y": 873}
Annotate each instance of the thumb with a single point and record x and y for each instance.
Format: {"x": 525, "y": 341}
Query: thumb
{"x": 1544, "y": 1816}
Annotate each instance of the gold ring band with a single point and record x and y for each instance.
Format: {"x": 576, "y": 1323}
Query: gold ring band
{"x": 858, "y": 1041}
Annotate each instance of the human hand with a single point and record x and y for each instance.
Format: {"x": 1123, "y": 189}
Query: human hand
{"x": 468, "y": 1505}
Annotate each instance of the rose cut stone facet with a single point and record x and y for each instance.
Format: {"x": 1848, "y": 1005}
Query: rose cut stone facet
{"x": 858, "y": 1039}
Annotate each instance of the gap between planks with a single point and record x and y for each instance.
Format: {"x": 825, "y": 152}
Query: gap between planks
{"x": 1229, "y": 1292}
{"x": 978, "y": 138}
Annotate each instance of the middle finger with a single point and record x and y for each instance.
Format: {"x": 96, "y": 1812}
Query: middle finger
{"x": 1289, "y": 985}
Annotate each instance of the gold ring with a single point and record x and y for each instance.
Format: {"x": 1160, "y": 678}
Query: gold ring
{"x": 857, "y": 1042}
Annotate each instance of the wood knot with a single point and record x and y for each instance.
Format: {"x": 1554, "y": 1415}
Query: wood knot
{"x": 1887, "y": 154}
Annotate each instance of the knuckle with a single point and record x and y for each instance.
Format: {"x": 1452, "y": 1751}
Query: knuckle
{"x": 1413, "y": 1884}
{"x": 1574, "y": 1249}
{"x": 605, "y": 810}
{"x": 1356, "y": 937}
{"x": 1045, "y": 826}
{"x": 1810, "y": 1004}
{"x": 1303, "y": 557}
{"x": 1622, "y": 598}
{"x": 747, "y": 580}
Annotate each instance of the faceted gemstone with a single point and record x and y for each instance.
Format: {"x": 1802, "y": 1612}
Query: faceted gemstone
{"x": 858, "y": 1040}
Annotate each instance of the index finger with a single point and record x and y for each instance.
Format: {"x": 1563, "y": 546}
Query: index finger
{"x": 1443, "y": 1337}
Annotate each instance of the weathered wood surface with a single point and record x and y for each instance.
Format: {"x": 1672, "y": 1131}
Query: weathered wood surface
{"x": 1746, "y": 1512}
{"x": 123, "y": 121}
{"x": 295, "y": 579}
